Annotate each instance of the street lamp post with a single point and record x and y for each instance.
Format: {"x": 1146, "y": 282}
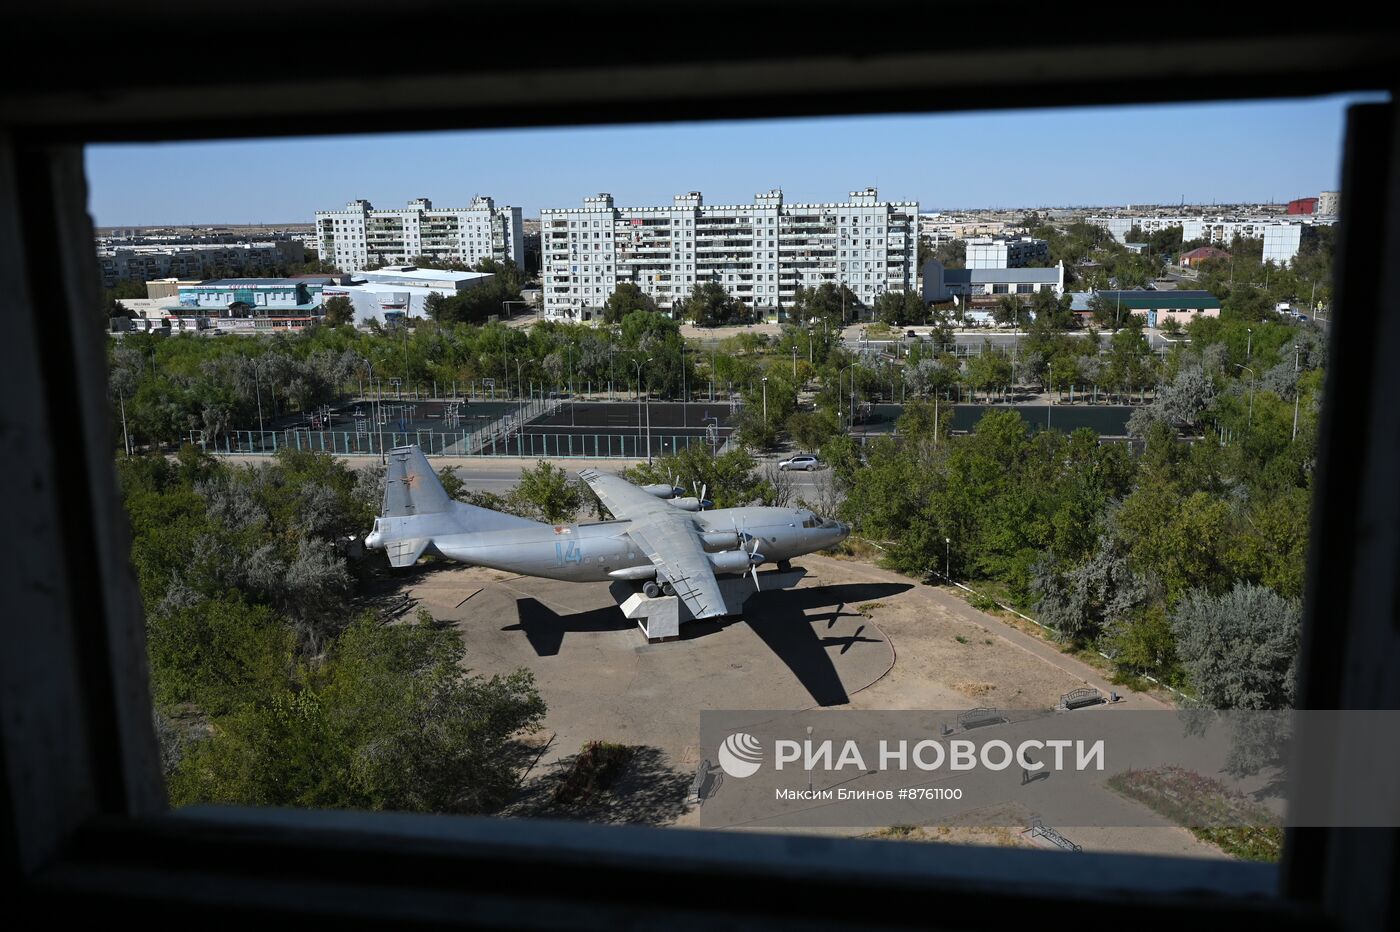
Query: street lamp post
{"x": 1249, "y": 424}
{"x": 638, "y": 363}
{"x": 1297, "y": 389}
{"x": 1248, "y": 342}
{"x": 948, "y": 558}
{"x": 839, "y": 379}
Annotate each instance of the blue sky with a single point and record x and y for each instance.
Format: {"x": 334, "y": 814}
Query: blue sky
{"x": 1119, "y": 155}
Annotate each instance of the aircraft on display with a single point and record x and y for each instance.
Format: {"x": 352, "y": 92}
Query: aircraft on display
{"x": 665, "y": 542}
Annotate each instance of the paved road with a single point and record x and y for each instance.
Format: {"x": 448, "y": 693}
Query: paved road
{"x": 502, "y": 475}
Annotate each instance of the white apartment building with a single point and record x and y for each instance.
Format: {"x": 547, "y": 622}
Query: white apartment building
{"x": 1006, "y": 252}
{"x": 761, "y": 253}
{"x": 1282, "y": 238}
{"x": 143, "y": 263}
{"x": 361, "y": 235}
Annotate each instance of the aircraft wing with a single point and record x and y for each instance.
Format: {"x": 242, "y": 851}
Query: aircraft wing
{"x": 622, "y": 498}
{"x": 672, "y": 543}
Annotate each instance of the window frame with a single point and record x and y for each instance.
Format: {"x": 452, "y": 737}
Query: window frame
{"x": 84, "y": 814}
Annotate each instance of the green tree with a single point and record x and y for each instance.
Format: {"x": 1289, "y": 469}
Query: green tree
{"x": 547, "y": 493}
{"x": 627, "y": 297}
{"x": 339, "y": 311}
{"x": 1240, "y": 647}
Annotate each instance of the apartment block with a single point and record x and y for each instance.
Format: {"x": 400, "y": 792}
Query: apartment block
{"x": 360, "y": 235}
{"x": 761, "y": 253}
{"x": 1282, "y": 238}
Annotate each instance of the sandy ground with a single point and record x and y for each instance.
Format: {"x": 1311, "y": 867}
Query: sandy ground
{"x": 850, "y": 636}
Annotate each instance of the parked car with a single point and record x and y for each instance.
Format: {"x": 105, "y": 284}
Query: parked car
{"x": 803, "y": 461}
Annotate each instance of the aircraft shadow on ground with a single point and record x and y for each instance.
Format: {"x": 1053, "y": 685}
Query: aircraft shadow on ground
{"x": 779, "y": 617}
{"x": 649, "y": 791}
{"x": 780, "y": 620}
{"x": 545, "y": 628}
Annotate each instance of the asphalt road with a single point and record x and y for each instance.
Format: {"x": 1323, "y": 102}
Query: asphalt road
{"x": 500, "y": 476}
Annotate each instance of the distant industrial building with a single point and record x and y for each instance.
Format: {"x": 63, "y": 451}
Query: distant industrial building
{"x": 360, "y": 235}
{"x": 1006, "y": 252}
{"x": 391, "y": 293}
{"x": 1302, "y": 205}
{"x": 987, "y": 286}
{"x": 760, "y": 253}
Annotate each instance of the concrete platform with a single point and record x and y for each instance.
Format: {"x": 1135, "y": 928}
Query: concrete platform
{"x": 601, "y": 679}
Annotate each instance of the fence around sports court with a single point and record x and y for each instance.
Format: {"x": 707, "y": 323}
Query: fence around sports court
{"x": 378, "y": 429}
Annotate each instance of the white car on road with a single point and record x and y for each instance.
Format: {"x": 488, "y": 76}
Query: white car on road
{"x": 803, "y": 461}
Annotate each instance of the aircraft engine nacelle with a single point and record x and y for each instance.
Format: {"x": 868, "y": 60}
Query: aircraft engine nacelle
{"x": 734, "y": 561}
{"x": 691, "y": 503}
{"x": 635, "y": 573}
{"x": 662, "y": 490}
{"x": 714, "y": 541}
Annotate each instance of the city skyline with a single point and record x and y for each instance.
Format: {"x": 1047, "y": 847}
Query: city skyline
{"x": 1253, "y": 152}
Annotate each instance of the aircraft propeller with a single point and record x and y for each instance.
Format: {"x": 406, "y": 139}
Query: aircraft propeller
{"x": 755, "y": 558}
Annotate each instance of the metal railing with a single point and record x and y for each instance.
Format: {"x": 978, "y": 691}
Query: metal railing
{"x": 525, "y": 444}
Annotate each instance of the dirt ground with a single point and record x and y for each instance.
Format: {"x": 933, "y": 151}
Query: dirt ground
{"x": 849, "y": 636}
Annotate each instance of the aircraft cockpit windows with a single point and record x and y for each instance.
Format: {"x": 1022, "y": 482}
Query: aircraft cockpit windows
{"x": 811, "y": 520}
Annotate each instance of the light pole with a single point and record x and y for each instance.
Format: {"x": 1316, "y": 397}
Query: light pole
{"x": 383, "y": 458}
{"x": 520, "y": 408}
{"x": 765, "y": 402}
{"x": 638, "y": 363}
{"x": 839, "y": 377}
{"x": 1249, "y": 424}
{"x": 948, "y": 558}
{"x": 1248, "y": 342}
{"x": 1297, "y": 389}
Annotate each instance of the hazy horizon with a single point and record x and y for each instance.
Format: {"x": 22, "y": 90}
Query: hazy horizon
{"x": 1202, "y": 154}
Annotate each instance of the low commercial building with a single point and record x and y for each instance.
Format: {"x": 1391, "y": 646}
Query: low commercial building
{"x": 1160, "y": 306}
{"x": 399, "y": 291}
{"x": 1201, "y": 254}
{"x": 987, "y": 286}
{"x": 250, "y": 297}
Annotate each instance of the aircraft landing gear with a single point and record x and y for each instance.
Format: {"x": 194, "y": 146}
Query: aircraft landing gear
{"x": 668, "y": 588}
{"x": 650, "y": 589}
{"x": 784, "y": 566}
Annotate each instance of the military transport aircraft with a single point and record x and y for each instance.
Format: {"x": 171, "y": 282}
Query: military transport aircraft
{"x": 663, "y": 541}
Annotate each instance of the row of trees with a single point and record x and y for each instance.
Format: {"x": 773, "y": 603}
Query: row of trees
{"x": 1158, "y": 559}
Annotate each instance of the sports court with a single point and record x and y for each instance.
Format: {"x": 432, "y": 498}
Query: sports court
{"x": 535, "y": 427}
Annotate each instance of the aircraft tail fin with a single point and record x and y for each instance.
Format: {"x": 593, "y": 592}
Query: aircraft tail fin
{"x": 411, "y": 487}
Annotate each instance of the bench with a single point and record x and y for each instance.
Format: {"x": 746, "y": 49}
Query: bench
{"x": 979, "y": 718}
{"x": 1081, "y": 697}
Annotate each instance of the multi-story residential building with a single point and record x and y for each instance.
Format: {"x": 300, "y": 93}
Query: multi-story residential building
{"x": 1005, "y": 252}
{"x": 360, "y": 236}
{"x": 1282, "y": 238}
{"x": 761, "y": 253}
{"x": 1328, "y": 203}
{"x": 146, "y": 262}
